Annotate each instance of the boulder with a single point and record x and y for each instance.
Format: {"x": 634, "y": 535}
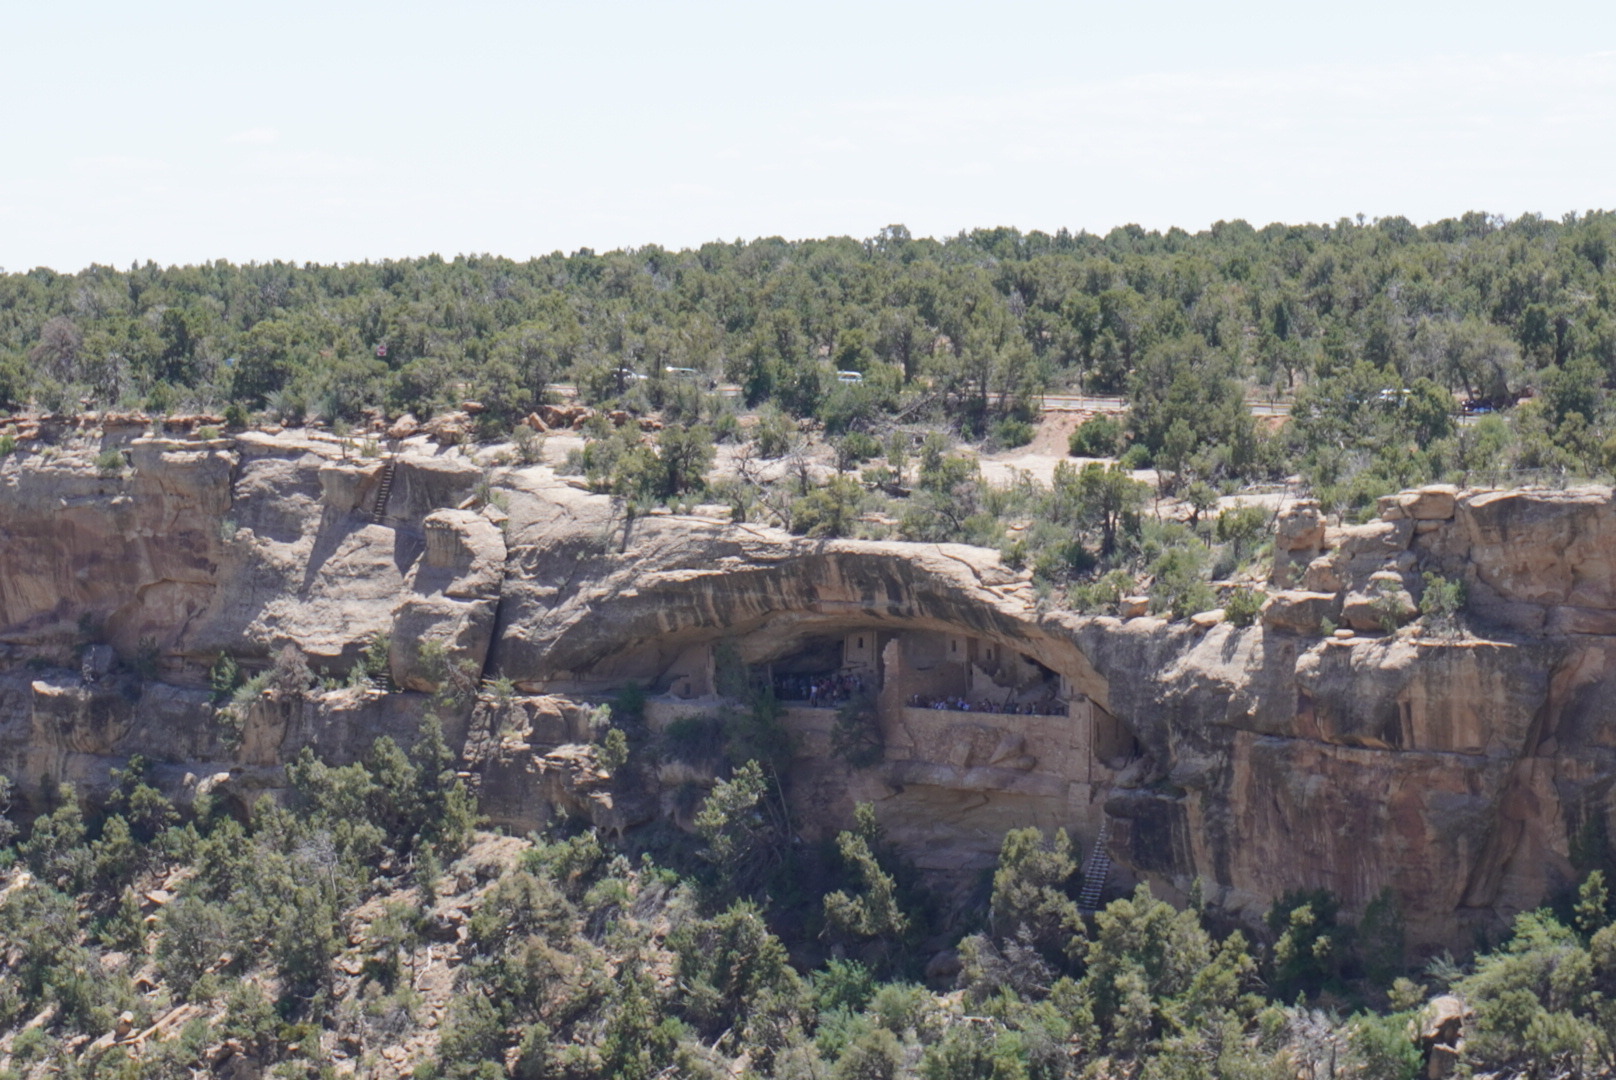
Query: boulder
{"x": 1385, "y": 598}
{"x": 1433, "y": 503}
{"x": 404, "y": 427}
{"x": 1382, "y": 539}
{"x": 97, "y": 662}
{"x": 1324, "y": 574}
{"x": 1300, "y": 612}
{"x": 1443, "y": 1061}
{"x": 349, "y": 485}
{"x": 448, "y": 429}
{"x": 468, "y": 548}
{"x": 1442, "y": 1021}
{"x": 561, "y": 417}
{"x": 1299, "y": 535}
{"x": 1441, "y": 1035}
{"x": 943, "y": 965}
{"x": 1300, "y": 527}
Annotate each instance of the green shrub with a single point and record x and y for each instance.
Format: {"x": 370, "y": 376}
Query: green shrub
{"x": 1241, "y": 527}
{"x": 856, "y": 735}
{"x": 1443, "y": 600}
{"x": 1097, "y": 437}
{"x": 529, "y": 444}
{"x": 472, "y": 1031}
{"x": 194, "y": 932}
{"x": 1030, "y": 901}
{"x": 1387, "y": 604}
{"x": 1101, "y": 597}
{"x": 377, "y": 651}
{"x": 726, "y": 427}
{"x": 842, "y": 984}
{"x": 110, "y": 462}
{"x": 613, "y": 751}
{"x": 30, "y": 1044}
{"x": 694, "y": 740}
{"x": 1381, "y": 939}
{"x": 1179, "y": 590}
{"x": 853, "y": 448}
{"x": 831, "y": 511}
{"x": 1010, "y": 433}
{"x": 874, "y": 911}
{"x": 1135, "y": 457}
{"x": 1383, "y": 1047}
{"x": 1312, "y": 946}
{"x": 1242, "y": 606}
{"x": 773, "y": 433}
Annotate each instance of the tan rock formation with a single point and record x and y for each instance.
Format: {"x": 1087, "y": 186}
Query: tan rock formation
{"x": 1300, "y": 612}
{"x": 1457, "y": 771}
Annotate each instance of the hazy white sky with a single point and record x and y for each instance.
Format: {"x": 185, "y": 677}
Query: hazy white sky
{"x": 184, "y": 132}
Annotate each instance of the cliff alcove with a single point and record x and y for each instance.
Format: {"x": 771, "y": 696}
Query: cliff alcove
{"x": 1260, "y": 759}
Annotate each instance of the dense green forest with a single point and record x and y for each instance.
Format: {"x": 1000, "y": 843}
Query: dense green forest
{"x": 366, "y": 925}
{"x": 967, "y": 331}
{"x": 1476, "y": 350}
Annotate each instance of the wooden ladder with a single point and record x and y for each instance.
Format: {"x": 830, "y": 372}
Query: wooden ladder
{"x": 379, "y": 510}
{"x": 1096, "y": 871}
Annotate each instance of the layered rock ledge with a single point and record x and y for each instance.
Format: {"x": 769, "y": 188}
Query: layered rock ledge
{"x": 1459, "y": 771}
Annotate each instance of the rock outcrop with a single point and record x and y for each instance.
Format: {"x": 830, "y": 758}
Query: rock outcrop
{"x": 1460, "y": 772}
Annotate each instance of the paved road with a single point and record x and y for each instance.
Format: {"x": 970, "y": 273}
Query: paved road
{"x": 1080, "y": 403}
{"x": 1052, "y": 402}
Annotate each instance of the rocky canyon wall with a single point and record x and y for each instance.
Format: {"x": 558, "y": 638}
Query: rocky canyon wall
{"x": 1458, "y": 771}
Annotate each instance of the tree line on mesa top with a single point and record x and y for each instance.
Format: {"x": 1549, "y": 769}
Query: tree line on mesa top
{"x": 1379, "y": 335}
{"x": 1480, "y": 305}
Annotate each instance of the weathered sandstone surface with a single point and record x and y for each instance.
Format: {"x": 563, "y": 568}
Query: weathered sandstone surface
{"x": 1456, "y": 771}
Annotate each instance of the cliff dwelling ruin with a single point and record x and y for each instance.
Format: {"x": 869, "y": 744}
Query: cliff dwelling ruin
{"x": 1257, "y": 758}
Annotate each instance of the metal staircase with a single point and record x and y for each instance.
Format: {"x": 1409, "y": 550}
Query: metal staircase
{"x": 1096, "y": 871}
{"x": 379, "y": 510}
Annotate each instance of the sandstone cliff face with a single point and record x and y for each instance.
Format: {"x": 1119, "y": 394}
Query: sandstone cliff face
{"x": 240, "y": 546}
{"x": 1455, "y": 772}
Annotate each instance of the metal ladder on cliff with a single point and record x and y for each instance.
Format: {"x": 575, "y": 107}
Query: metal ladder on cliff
{"x": 1096, "y": 871}
{"x": 379, "y": 510}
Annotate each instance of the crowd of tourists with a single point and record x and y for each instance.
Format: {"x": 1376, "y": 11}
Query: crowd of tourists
{"x": 831, "y": 691}
{"x": 1009, "y": 708}
{"x": 819, "y": 691}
